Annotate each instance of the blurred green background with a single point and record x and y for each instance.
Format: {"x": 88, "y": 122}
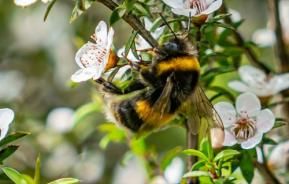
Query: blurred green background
{"x": 36, "y": 62}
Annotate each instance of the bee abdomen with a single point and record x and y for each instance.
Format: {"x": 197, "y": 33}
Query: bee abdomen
{"x": 127, "y": 116}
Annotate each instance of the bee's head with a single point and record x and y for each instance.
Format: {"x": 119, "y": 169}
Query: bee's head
{"x": 173, "y": 47}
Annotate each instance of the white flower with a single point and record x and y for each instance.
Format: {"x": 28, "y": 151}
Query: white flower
{"x": 12, "y": 83}
{"x": 92, "y": 58}
{"x": 264, "y": 37}
{"x": 24, "y": 3}
{"x": 60, "y": 119}
{"x": 193, "y": 7}
{"x": 256, "y": 81}
{"x": 174, "y": 172}
{"x": 247, "y": 123}
{"x": 133, "y": 172}
{"x": 141, "y": 43}
{"x": 6, "y": 118}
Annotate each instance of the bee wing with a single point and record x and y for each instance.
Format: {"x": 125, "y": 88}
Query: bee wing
{"x": 200, "y": 113}
{"x": 162, "y": 104}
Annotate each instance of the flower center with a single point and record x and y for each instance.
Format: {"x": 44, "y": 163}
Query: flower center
{"x": 244, "y": 129}
{"x": 199, "y": 5}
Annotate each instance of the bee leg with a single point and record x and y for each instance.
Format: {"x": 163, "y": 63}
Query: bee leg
{"x": 108, "y": 86}
{"x": 137, "y": 85}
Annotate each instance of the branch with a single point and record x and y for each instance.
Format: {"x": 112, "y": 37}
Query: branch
{"x": 274, "y": 18}
{"x": 266, "y": 173}
{"x": 241, "y": 43}
{"x": 192, "y": 143}
{"x": 134, "y": 22}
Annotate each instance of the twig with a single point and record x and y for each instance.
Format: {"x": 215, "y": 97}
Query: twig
{"x": 265, "y": 171}
{"x": 192, "y": 143}
{"x": 241, "y": 43}
{"x": 274, "y": 14}
{"x": 134, "y": 22}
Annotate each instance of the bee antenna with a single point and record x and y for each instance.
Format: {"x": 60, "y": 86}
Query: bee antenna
{"x": 167, "y": 24}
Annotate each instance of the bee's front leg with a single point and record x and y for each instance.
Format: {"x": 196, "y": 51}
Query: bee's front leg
{"x": 108, "y": 86}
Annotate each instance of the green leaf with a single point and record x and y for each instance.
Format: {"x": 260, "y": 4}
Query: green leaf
{"x": 130, "y": 42}
{"x": 225, "y": 154}
{"x": 14, "y": 175}
{"x": 247, "y": 167}
{"x": 79, "y": 8}
{"x": 267, "y": 140}
{"x": 142, "y": 8}
{"x": 193, "y": 174}
{"x": 114, "y": 17}
{"x": 199, "y": 164}
{"x": 206, "y": 148}
{"x": 37, "y": 173}
{"x": 279, "y": 122}
{"x": 168, "y": 157}
{"x": 6, "y": 152}
{"x": 13, "y": 137}
{"x": 86, "y": 110}
{"x": 51, "y": 4}
{"x": 28, "y": 179}
{"x": 65, "y": 181}
{"x": 192, "y": 152}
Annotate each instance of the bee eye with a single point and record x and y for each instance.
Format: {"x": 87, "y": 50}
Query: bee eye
{"x": 171, "y": 46}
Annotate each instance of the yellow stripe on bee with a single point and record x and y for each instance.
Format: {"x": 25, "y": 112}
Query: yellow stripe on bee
{"x": 151, "y": 117}
{"x": 184, "y": 63}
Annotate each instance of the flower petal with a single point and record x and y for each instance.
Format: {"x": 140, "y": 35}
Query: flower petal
{"x": 229, "y": 139}
{"x": 264, "y": 37}
{"x": 226, "y": 112}
{"x": 24, "y": 3}
{"x": 130, "y": 56}
{"x": 248, "y": 104}
{"x": 142, "y": 44}
{"x": 281, "y": 82}
{"x": 83, "y": 74}
{"x": 88, "y": 55}
{"x": 252, "y": 142}
{"x": 109, "y": 38}
{"x": 251, "y": 75}
{"x": 185, "y": 12}
{"x": 6, "y": 118}
{"x": 101, "y": 33}
{"x": 213, "y": 7}
{"x": 174, "y": 3}
{"x": 265, "y": 120}
{"x": 238, "y": 86}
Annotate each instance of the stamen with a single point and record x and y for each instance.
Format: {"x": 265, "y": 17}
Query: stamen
{"x": 244, "y": 129}
{"x": 200, "y": 5}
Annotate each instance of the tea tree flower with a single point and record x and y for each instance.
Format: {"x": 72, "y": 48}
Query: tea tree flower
{"x": 94, "y": 58}
{"x": 246, "y": 123}
{"x": 6, "y": 118}
{"x": 60, "y": 119}
{"x": 256, "y": 81}
{"x": 24, "y": 3}
{"x": 264, "y": 37}
{"x": 193, "y": 8}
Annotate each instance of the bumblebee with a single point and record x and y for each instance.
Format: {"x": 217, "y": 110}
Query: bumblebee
{"x": 166, "y": 88}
